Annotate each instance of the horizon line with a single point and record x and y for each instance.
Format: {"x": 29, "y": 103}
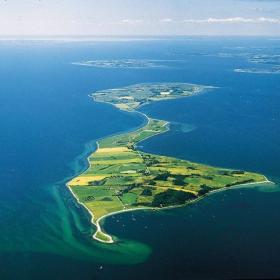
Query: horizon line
{"x": 126, "y": 37}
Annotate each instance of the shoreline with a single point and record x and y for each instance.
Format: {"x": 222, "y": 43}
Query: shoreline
{"x": 167, "y": 126}
{"x": 97, "y": 222}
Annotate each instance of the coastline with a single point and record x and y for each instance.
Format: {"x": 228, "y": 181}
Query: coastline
{"x": 99, "y": 230}
{"x": 97, "y": 222}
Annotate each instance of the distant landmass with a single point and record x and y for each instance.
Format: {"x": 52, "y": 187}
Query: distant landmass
{"x": 121, "y": 63}
{"x": 258, "y": 70}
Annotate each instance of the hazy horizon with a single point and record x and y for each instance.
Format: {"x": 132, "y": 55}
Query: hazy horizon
{"x": 72, "y": 18}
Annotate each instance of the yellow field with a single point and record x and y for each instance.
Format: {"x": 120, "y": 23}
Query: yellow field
{"x": 119, "y": 161}
{"x": 112, "y": 150}
{"x": 85, "y": 180}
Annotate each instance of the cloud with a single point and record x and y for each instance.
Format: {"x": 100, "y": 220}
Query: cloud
{"x": 269, "y": 20}
{"x": 129, "y": 21}
{"x": 261, "y": 1}
{"x": 234, "y": 20}
{"x": 166, "y": 20}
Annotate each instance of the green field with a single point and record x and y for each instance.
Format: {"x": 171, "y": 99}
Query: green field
{"x": 122, "y": 178}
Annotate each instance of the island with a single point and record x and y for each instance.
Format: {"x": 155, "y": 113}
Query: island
{"x": 122, "y": 63}
{"x": 270, "y": 62}
{"x": 120, "y": 177}
{"x": 269, "y": 59}
{"x": 273, "y": 70}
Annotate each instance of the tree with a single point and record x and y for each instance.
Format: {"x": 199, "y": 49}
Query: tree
{"x": 162, "y": 176}
{"x": 204, "y": 189}
{"x": 179, "y": 180}
{"x": 172, "y": 197}
{"x": 147, "y": 192}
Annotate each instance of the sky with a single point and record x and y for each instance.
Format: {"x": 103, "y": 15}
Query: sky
{"x": 139, "y": 17}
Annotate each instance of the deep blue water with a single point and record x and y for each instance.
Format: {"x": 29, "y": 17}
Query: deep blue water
{"x": 46, "y": 118}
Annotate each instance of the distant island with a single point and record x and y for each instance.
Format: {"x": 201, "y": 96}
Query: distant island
{"x": 121, "y": 63}
{"x": 121, "y": 178}
{"x": 270, "y": 64}
{"x": 269, "y": 59}
{"x": 273, "y": 70}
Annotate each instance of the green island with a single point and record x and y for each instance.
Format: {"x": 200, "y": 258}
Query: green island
{"x": 122, "y": 178}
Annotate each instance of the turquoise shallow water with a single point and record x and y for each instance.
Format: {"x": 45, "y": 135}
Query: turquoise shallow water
{"x": 46, "y": 118}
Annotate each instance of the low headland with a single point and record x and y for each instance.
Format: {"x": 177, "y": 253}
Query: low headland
{"x": 122, "y": 178}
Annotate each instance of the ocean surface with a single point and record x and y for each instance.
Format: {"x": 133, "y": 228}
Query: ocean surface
{"x": 48, "y": 126}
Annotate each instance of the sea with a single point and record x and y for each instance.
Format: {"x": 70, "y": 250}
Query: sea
{"x": 49, "y": 125}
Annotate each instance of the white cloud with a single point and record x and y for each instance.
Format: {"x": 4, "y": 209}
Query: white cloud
{"x": 166, "y": 20}
{"x": 131, "y": 21}
{"x": 234, "y": 20}
{"x": 269, "y": 20}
